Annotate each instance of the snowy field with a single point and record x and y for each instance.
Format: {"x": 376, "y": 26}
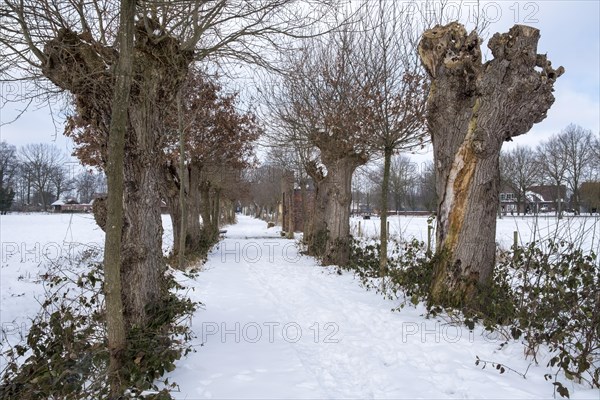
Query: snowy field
{"x": 582, "y": 230}
{"x": 276, "y": 325}
{"x": 30, "y": 242}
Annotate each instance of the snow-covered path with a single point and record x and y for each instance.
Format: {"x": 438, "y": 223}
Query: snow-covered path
{"x": 276, "y": 325}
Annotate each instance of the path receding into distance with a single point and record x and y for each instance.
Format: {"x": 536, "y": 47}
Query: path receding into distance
{"x": 275, "y": 324}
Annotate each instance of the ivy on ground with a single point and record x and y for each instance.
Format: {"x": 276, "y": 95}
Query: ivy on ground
{"x": 544, "y": 294}
{"x": 65, "y": 353}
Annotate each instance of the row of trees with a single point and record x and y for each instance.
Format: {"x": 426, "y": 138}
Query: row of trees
{"x": 339, "y": 106}
{"x": 356, "y": 94}
{"x": 36, "y": 175}
{"x": 369, "y": 88}
{"x": 125, "y": 65}
{"x": 569, "y": 159}
{"x": 411, "y": 188}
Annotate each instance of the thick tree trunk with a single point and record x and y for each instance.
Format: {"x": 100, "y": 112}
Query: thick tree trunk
{"x": 315, "y": 235}
{"x": 194, "y": 234}
{"x": 160, "y": 66}
{"x": 329, "y": 229}
{"x": 216, "y": 211}
{"x": 338, "y": 187}
{"x": 160, "y": 69}
{"x": 143, "y": 263}
{"x": 472, "y": 109}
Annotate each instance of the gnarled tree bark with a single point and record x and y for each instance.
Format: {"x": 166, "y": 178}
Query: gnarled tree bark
{"x": 473, "y": 107}
{"x": 329, "y": 234}
{"x": 84, "y": 67}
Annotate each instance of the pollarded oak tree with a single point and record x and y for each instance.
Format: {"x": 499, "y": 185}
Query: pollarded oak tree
{"x": 323, "y": 105}
{"x": 473, "y": 107}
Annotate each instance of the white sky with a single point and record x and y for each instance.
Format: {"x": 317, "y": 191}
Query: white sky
{"x": 570, "y": 35}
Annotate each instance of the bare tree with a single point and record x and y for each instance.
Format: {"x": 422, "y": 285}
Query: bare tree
{"x": 86, "y": 186}
{"x": 41, "y": 162}
{"x": 323, "y": 109}
{"x": 8, "y": 172}
{"x": 61, "y": 180}
{"x": 403, "y": 178}
{"x": 553, "y": 164}
{"x": 519, "y": 170}
{"x": 473, "y": 107}
{"x": 577, "y": 144}
{"x": 396, "y": 86}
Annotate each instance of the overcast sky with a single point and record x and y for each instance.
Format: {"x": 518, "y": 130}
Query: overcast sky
{"x": 570, "y": 35}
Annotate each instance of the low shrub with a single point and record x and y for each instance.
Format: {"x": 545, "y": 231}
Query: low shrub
{"x": 551, "y": 296}
{"x": 408, "y": 272}
{"x": 545, "y": 294}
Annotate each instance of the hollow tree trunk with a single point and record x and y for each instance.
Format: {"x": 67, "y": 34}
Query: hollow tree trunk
{"x": 472, "y": 109}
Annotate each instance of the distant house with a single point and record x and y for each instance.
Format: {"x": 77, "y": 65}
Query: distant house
{"x": 541, "y": 198}
{"x": 508, "y": 201}
{"x": 545, "y": 198}
{"x": 57, "y": 206}
{"x": 70, "y": 205}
